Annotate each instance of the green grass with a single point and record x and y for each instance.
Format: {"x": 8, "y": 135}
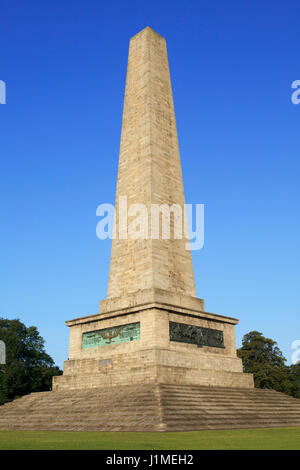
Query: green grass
{"x": 245, "y": 439}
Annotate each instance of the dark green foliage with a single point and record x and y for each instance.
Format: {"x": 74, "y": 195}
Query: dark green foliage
{"x": 295, "y": 379}
{"x": 28, "y": 367}
{"x": 262, "y": 358}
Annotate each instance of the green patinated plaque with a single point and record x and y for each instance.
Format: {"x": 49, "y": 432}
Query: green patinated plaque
{"x": 113, "y": 335}
{"x": 196, "y": 335}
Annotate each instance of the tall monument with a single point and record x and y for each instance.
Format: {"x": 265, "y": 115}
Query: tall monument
{"x": 151, "y": 328}
{"x": 153, "y": 359}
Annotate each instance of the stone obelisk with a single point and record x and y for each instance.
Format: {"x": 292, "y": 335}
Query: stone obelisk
{"x": 149, "y": 173}
{"x": 153, "y": 359}
{"x": 151, "y": 328}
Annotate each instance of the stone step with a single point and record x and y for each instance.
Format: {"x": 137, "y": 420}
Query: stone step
{"x": 209, "y": 394}
{"x": 181, "y": 413}
{"x": 214, "y": 419}
{"x": 229, "y": 418}
{"x": 152, "y": 407}
{"x": 80, "y": 403}
{"x": 226, "y": 400}
{"x": 250, "y": 406}
{"x": 81, "y": 416}
{"x": 213, "y": 393}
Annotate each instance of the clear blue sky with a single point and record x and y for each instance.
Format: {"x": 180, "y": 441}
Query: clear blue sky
{"x": 232, "y": 64}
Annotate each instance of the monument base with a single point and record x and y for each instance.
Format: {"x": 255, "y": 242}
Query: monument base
{"x": 151, "y": 407}
{"x": 152, "y": 337}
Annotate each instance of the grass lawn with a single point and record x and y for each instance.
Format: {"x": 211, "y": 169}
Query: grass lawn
{"x": 245, "y": 439}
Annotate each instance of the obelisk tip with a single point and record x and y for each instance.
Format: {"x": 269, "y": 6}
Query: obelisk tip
{"x": 147, "y": 29}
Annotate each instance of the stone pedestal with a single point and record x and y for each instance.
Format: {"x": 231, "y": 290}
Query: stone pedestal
{"x": 152, "y": 336}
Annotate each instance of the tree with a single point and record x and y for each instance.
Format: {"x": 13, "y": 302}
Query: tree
{"x": 262, "y": 358}
{"x": 294, "y": 371}
{"x": 28, "y": 367}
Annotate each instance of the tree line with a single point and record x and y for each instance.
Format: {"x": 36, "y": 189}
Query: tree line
{"x": 28, "y": 368}
{"x": 262, "y": 357}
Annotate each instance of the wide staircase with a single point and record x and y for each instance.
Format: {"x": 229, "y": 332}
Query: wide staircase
{"x": 155, "y": 407}
{"x": 195, "y": 407}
